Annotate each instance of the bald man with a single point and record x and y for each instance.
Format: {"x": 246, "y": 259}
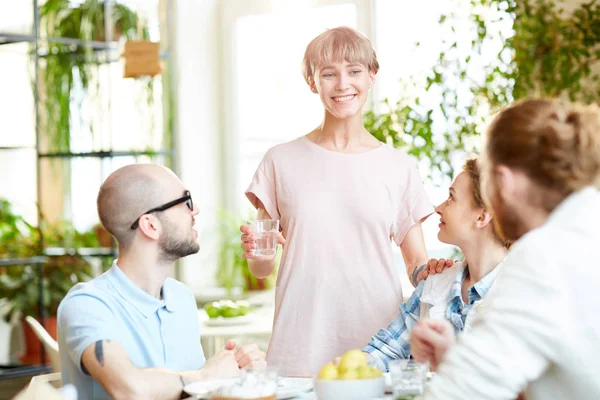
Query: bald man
{"x": 133, "y": 332}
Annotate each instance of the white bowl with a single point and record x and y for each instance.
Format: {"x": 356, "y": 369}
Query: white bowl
{"x": 359, "y": 389}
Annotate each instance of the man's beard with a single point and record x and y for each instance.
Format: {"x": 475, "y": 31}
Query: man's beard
{"x": 507, "y": 223}
{"x": 172, "y": 246}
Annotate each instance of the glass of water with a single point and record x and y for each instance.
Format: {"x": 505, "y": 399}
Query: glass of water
{"x": 408, "y": 378}
{"x": 266, "y": 231}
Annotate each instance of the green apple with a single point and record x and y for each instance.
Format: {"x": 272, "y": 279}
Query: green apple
{"x": 230, "y": 311}
{"x": 243, "y": 307}
{"x": 213, "y": 310}
{"x": 226, "y": 303}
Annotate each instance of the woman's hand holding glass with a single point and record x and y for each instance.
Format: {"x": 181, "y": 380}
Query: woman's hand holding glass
{"x": 255, "y": 243}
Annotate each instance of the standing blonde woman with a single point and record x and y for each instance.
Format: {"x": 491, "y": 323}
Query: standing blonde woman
{"x": 342, "y": 197}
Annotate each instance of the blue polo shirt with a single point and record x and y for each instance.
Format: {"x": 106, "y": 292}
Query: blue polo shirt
{"x": 155, "y": 333}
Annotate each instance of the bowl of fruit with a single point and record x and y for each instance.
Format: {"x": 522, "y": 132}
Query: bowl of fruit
{"x": 350, "y": 379}
{"x": 227, "y": 312}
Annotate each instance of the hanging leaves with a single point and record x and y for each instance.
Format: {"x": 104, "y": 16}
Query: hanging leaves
{"x": 546, "y": 52}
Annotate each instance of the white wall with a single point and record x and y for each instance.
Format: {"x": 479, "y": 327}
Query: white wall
{"x": 194, "y": 30}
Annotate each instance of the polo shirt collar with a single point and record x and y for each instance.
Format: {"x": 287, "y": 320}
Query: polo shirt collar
{"x": 169, "y": 294}
{"x": 146, "y": 304}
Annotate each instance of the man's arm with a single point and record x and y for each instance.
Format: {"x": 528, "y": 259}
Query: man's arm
{"x": 108, "y": 363}
{"x": 516, "y": 334}
{"x": 87, "y": 338}
{"x": 393, "y": 343}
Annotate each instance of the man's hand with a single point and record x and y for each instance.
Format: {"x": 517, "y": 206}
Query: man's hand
{"x": 247, "y": 357}
{"x": 430, "y": 340}
{"x": 250, "y": 357}
{"x": 223, "y": 364}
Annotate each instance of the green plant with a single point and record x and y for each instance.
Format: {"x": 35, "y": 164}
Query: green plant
{"x": 556, "y": 51}
{"x": 19, "y": 284}
{"x": 64, "y": 235}
{"x": 18, "y": 237}
{"x": 66, "y": 70}
{"x": 233, "y": 269}
{"x": 538, "y": 49}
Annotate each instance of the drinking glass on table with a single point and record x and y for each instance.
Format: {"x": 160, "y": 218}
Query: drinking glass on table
{"x": 266, "y": 231}
{"x": 408, "y": 378}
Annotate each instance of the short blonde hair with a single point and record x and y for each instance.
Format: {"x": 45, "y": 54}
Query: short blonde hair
{"x": 338, "y": 44}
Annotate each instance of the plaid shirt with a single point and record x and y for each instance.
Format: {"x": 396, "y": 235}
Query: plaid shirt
{"x": 394, "y": 342}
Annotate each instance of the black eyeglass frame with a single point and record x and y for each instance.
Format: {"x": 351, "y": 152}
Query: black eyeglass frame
{"x": 187, "y": 199}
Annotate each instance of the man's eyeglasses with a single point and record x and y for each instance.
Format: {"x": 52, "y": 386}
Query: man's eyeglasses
{"x": 187, "y": 199}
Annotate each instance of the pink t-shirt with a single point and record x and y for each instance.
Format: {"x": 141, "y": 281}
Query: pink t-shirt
{"x": 337, "y": 282}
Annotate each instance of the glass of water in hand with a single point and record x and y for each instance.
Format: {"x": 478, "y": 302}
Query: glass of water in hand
{"x": 266, "y": 232}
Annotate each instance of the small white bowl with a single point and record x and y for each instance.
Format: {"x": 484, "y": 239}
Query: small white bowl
{"x": 359, "y": 389}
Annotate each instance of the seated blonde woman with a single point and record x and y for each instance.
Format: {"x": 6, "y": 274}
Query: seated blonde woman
{"x": 455, "y": 293}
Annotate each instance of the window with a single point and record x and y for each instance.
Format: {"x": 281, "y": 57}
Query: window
{"x": 110, "y": 113}
{"x": 17, "y": 130}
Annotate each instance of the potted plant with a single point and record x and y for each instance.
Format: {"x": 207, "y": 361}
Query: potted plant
{"x": 233, "y": 269}
{"x": 545, "y": 51}
{"x": 65, "y": 68}
{"x": 19, "y": 284}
